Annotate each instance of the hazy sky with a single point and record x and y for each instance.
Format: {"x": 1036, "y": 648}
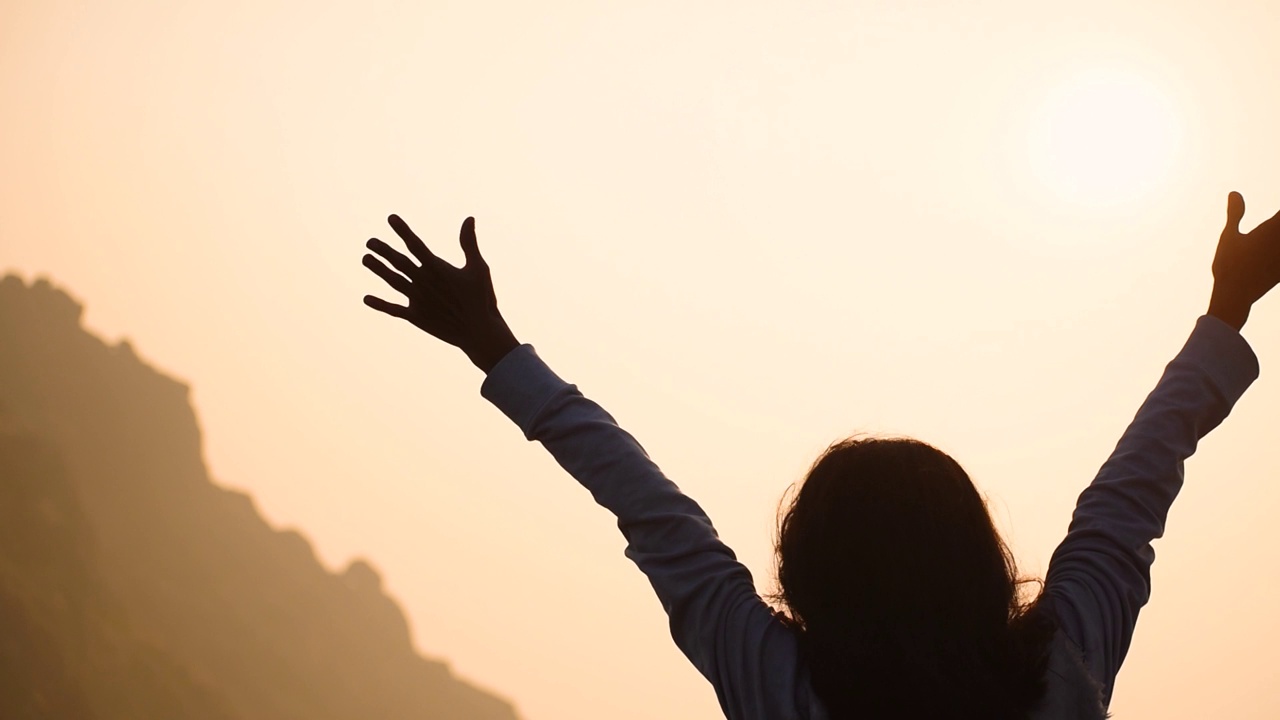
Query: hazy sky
{"x": 746, "y": 228}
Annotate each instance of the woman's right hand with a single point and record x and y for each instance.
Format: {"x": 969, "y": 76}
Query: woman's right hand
{"x": 456, "y": 305}
{"x": 1246, "y": 265}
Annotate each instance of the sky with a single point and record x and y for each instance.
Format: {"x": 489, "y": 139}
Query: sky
{"x": 747, "y": 229}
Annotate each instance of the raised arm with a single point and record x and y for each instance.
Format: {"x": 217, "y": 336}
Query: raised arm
{"x": 716, "y": 617}
{"x": 1099, "y": 577}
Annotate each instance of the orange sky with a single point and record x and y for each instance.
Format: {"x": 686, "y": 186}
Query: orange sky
{"x": 747, "y": 229}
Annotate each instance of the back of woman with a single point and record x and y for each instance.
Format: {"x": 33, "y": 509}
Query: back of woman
{"x": 901, "y": 592}
{"x": 897, "y": 597}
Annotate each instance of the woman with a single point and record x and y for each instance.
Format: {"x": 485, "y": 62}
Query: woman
{"x": 900, "y": 599}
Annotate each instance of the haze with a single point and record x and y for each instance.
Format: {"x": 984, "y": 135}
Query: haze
{"x": 747, "y": 229}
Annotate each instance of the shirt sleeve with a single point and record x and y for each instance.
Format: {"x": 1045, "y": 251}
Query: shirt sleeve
{"x": 716, "y": 618}
{"x": 1100, "y": 576}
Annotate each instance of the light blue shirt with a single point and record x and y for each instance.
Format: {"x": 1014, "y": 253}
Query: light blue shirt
{"x": 1098, "y": 578}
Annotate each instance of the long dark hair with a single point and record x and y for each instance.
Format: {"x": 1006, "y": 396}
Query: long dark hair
{"x": 904, "y": 596}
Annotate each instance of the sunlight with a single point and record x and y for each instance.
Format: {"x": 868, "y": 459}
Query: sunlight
{"x": 1104, "y": 139}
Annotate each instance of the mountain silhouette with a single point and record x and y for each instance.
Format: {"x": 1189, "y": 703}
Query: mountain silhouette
{"x": 131, "y": 586}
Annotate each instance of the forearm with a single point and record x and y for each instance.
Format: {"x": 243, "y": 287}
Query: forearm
{"x": 1100, "y": 575}
{"x": 668, "y": 535}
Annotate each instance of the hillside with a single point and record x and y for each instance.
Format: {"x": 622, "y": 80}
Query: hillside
{"x": 131, "y": 586}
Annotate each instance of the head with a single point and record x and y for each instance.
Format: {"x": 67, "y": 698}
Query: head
{"x": 905, "y": 597}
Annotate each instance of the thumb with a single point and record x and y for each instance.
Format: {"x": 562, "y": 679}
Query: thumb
{"x": 1235, "y": 212}
{"x": 467, "y": 238}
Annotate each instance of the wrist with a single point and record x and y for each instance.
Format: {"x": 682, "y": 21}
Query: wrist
{"x": 489, "y": 348}
{"x": 1229, "y": 310}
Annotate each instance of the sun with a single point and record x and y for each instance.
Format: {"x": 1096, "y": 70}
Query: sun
{"x": 1104, "y": 138}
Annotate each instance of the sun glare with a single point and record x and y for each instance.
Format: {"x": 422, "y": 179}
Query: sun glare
{"x": 1104, "y": 139}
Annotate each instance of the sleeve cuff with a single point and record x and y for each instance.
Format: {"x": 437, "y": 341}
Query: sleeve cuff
{"x": 520, "y": 385}
{"x": 1224, "y": 354}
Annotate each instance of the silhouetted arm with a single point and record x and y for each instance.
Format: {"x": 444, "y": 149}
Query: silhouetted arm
{"x": 716, "y": 617}
{"x": 1099, "y": 577}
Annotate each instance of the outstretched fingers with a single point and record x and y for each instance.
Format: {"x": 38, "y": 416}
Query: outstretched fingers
{"x": 1269, "y": 229}
{"x": 1235, "y": 213}
{"x": 413, "y": 242}
{"x": 470, "y": 246}
{"x": 383, "y": 306}
{"x": 392, "y": 278}
{"x": 393, "y": 256}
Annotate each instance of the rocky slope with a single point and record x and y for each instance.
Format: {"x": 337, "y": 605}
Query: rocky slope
{"x": 131, "y": 586}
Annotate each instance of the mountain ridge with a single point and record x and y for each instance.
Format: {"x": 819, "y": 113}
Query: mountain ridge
{"x": 192, "y": 598}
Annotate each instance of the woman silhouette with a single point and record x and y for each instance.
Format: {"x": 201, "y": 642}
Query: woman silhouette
{"x": 899, "y": 597}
